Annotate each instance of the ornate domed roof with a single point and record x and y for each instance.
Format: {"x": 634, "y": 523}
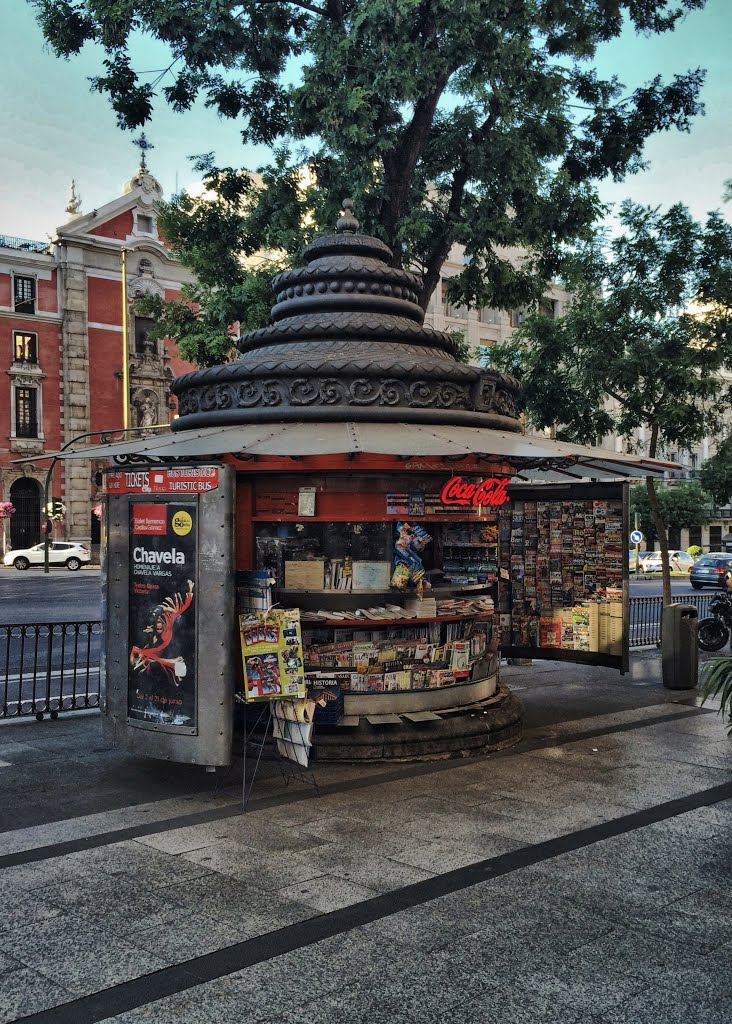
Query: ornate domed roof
{"x": 347, "y": 342}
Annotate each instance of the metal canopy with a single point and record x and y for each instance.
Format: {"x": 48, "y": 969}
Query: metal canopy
{"x": 535, "y": 457}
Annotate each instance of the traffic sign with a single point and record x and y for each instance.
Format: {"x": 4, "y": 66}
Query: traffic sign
{"x": 636, "y": 537}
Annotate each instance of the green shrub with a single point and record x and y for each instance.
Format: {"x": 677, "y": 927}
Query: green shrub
{"x": 694, "y": 551}
{"x": 716, "y": 681}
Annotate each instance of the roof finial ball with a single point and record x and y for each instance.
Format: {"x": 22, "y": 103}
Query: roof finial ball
{"x": 347, "y": 224}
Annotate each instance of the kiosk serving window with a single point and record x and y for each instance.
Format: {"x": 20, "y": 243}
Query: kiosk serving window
{"x": 419, "y": 588}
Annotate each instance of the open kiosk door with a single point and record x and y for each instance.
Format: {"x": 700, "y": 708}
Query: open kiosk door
{"x": 169, "y": 599}
{"x": 563, "y": 567}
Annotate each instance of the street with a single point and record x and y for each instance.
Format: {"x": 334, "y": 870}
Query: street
{"x": 654, "y": 588}
{"x": 60, "y": 596}
{"x": 49, "y": 649}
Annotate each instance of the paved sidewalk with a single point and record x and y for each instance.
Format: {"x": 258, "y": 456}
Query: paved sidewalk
{"x": 583, "y": 875}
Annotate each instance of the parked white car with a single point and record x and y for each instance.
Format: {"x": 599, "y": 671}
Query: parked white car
{"x": 73, "y": 556}
{"x": 678, "y": 560}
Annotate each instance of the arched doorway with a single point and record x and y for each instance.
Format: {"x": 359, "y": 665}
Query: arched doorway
{"x": 25, "y": 525}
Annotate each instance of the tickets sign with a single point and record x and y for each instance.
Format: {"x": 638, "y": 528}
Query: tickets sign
{"x": 186, "y": 480}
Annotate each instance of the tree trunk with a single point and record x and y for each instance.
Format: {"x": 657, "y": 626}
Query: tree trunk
{"x": 399, "y": 165}
{"x": 662, "y": 537}
{"x": 658, "y": 520}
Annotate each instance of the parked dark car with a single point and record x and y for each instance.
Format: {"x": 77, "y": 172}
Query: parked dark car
{"x": 711, "y": 570}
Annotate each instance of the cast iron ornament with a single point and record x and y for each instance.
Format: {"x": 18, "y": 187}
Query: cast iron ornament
{"x": 347, "y": 342}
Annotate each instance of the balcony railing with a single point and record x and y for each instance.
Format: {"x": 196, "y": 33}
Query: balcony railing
{"x": 23, "y": 244}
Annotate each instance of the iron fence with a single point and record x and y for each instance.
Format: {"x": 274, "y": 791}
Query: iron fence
{"x": 49, "y": 667}
{"x": 645, "y": 616}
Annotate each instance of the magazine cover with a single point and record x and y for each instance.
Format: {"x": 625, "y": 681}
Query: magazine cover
{"x": 162, "y": 617}
{"x": 271, "y": 647}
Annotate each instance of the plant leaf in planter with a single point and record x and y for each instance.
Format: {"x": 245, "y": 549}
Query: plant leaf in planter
{"x": 716, "y": 682}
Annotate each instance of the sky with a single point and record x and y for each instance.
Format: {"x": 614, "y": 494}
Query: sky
{"x": 53, "y": 128}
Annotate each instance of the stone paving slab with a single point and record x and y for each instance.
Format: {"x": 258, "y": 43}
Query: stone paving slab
{"x": 598, "y": 934}
{"x": 83, "y": 826}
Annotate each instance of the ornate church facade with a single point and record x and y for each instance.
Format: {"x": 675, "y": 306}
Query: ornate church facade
{"x": 61, "y": 349}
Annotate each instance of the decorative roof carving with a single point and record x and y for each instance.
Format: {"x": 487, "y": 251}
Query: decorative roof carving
{"x": 347, "y": 342}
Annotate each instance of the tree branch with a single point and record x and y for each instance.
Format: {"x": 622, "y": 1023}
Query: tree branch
{"x": 325, "y": 12}
{"x": 400, "y": 164}
{"x": 441, "y": 248}
{"x": 443, "y": 244}
{"x": 624, "y": 402}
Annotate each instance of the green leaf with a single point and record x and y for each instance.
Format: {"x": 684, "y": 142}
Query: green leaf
{"x": 445, "y": 122}
{"x": 716, "y": 684}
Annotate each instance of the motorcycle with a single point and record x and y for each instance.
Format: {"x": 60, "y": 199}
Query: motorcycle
{"x": 715, "y": 629}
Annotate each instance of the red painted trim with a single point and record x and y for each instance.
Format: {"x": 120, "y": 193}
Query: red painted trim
{"x": 370, "y": 463}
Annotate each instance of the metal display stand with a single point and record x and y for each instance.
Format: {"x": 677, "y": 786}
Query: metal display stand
{"x": 252, "y": 750}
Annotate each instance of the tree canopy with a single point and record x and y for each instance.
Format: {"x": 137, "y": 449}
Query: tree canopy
{"x": 716, "y": 473}
{"x": 644, "y": 341}
{"x": 683, "y": 506}
{"x": 479, "y": 122}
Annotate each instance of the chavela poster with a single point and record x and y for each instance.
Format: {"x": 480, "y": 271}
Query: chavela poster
{"x": 162, "y": 619}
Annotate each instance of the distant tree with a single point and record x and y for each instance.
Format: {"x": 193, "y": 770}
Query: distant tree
{"x": 683, "y": 507}
{"x": 716, "y": 473}
{"x": 643, "y": 343}
{"x": 479, "y": 122}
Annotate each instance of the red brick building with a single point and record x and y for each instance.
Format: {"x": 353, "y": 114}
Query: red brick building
{"x": 61, "y": 350}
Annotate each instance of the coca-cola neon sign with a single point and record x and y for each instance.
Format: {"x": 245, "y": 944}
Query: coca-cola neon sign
{"x": 491, "y": 492}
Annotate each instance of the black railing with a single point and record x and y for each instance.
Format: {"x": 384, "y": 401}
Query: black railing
{"x": 23, "y": 244}
{"x": 645, "y": 616}
{"x": 48, "y": 668}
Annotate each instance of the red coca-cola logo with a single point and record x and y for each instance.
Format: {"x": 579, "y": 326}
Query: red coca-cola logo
{"x": 491, "y": 491}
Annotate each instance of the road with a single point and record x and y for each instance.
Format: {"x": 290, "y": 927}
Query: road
{"x": 60, "y": 596}
{"x": 65, "y": 596}
{"x": 654, "y": 588}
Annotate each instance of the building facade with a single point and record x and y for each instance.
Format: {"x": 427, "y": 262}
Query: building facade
{"x": 61, "y": 350}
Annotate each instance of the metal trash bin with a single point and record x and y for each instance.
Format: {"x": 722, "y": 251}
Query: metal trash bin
{"x": 680, "y": 646}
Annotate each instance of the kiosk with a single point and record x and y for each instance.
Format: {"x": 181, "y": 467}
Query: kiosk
{"x": 348, "y": 466}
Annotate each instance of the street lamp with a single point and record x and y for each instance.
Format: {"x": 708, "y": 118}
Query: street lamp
{"x": 47, "y": 499}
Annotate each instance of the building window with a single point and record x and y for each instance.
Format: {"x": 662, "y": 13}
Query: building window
{"x": 490, "y": 316}
{"x": 715, "y": 538}
{"x": 517, "y": 317}
{"x": 548, "y": 307}
{"x": 143, "y": 342}
{"x": 24, "y": 297}
{"x": 456, "y": 312}
{"x": 26, "y": 412}
{"x": 25, "y": 347}
{"x": 144, "y": 224}
{"x": 695, "y": 536}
